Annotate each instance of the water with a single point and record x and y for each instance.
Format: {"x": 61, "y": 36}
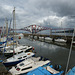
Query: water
{"x": 56, "y": 54}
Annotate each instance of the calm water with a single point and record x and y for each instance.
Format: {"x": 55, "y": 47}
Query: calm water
{"x": 56, "y": 54}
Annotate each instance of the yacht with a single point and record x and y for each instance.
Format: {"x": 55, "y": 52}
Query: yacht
{"x": 15, "y": 59}
{"x": 28, "y": 65}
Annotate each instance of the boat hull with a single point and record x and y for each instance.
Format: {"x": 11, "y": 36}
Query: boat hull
{"x": 12, "y": 63}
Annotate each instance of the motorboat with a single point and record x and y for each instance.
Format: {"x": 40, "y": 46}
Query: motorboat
{"x": 60, "y": 40}
{"x": 28, "y": 65}
{"x": 15, "y": 59}
{"x": 17, "y": 50}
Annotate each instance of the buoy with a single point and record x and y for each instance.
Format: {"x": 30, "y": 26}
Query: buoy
{"x": 13, "y": 51}
{"x": 19, "y": 37}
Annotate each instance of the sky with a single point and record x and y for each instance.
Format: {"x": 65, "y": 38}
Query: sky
{"x": 47, "y": 13}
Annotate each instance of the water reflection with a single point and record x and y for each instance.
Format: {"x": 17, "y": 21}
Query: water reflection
{"x": 56, "y": 54}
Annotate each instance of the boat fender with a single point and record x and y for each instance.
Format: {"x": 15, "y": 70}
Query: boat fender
{"x": 33, "y": 48}
{"x": 19, "y": 37}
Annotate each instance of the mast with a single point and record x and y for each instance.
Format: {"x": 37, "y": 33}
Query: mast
{"x": 70, "y": 52}
{"x": 13, "y": 28}
{"x": 6, "y": 27}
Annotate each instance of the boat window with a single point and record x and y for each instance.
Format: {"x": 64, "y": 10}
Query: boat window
{"x": 27, "y": 51}
{"x": 21, "y": 64}
{"x": 20, "y": 58}
{"x": 24, "y": 56}
{"x": 20, "y": 52}
{"x": 15, "y": 66}
{"x": 27, "y": 68}
{"x": 23, "y": 48}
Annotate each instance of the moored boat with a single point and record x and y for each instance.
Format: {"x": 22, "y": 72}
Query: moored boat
{"x": 28, "y": 65}
{"x": 17, "y": 50}
{"x": 60, "y": 40}
{"x": 48, "y": 70}
{"x": 17, "y": 58}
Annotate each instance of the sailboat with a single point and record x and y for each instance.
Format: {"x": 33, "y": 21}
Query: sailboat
{"x": 10, "y": 42}
{"x": 15, "y": 59}
{"x": 17, "y": 50}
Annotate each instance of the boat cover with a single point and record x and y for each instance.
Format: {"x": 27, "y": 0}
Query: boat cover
{"x": 42, "y": 71}
{"x": 72, "y": 71}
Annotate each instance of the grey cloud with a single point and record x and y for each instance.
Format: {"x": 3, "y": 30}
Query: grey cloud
{"x": 32, "y": 11}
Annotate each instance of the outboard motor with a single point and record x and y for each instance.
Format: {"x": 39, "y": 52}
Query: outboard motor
{"x": 57, "y": 67}
{"x": 40, "y": 58}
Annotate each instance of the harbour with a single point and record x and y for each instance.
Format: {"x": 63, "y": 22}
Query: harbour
{"x": 55, "y": 53}
{"x": 38, "y": 45}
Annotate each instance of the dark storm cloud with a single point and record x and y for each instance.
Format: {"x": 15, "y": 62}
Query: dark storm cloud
{"x": 60, "y": 7}
{"x": 48, "y": 13}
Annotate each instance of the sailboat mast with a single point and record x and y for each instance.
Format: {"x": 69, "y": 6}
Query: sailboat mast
{"x": 6, "y": 27}
{"x": 70, "y": 52}
{"x": 13, "y": 28}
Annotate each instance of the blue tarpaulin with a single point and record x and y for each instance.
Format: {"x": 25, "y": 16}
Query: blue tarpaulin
{"x": 42, "y": 71}
{"x": 71, "y": 72}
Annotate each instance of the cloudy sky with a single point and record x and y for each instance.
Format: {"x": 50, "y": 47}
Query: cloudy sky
{"x": 48, "y": 13}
